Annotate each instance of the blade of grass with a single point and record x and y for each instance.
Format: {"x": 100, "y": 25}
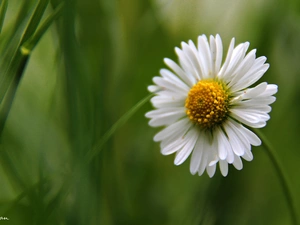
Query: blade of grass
{"x": 282, "y": 177}
{"x": 3, "y": 8}
{"x": 14, "y": 175}
{"x": 27, "y": 192}
{"x": 21, "y": 57}
{"x": 35, "y": 20}
{"x": 16, "y": 69}
{"x": 8, "y": 54}
{"x": 25, "y": 12}
{"x": 28, "y": 46}
{"x": 10, "y": 94}
{"x": 99, "y": 145}
{"x": 13, "y": 56}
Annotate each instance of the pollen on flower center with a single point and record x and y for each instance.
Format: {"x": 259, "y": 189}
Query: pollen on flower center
{"x": 207, "y": 103}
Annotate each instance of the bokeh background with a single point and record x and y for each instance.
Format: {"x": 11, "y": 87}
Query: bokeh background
{"x": 93, "y": 65}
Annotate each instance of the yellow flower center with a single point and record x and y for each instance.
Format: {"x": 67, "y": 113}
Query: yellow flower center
{"x": 207, "y": 103}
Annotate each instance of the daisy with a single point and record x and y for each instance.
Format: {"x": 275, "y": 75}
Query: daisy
{"x": 205, "y": 105}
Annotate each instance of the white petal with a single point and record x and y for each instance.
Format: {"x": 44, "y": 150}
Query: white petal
{"x": 227, "y": 145}
{"x": 213, "y": 51}
{"x": 219, "y": 53}
{"x": 212, "y": 148}
{"x": 212, "y": 156}
{"x": 200, "y": 70}
{"x": 254, "y": 92}
{"x": 271, "y": 90}
{"x": 179, "y": 71}
{"x": 250, "y": 120}
{"x": 186, "y": 65}
{"x": 248, "y": 112}
{"x": 244, "y": 105}
{"x": 243, "y": 68}
{"x": 223, "y": 167}
{"x": 206, "y": 153}
{"x": 204, "y": 55}
{"x": 170, "y": 85}
{"x": 223, "y": 144}
{"x": 176, "y": 136}
{"x": 184, "y": 153}
{"x": 230, "y": 155}
{"x": 260, "y": 100}
{"x": 248, "y": 155}
{"x": 171, "y": 77}
{"x": 253, "y": 75}
{"x": 168, "y": 100}
{"x": 158, "y": 112}
{"x": 238, "y": 55}
{"x": 228, "y": 57}
{"x": 203, "y": 163}
{"x": 238, "y": 164}
{"x": 174, "y": 128}
{"x": 193, "y": 59}
{"x": 236, "y": 144}
{"x": 197, "y": 154}
{"x": 167, "y": 118}
{"x": 211, "y": 170}
{"x": 252, "y": 137}
{"x": 153, "y": 88}
{"x": 215, "y": 161}
{"x": 237, "y": 128}
{"x": 174, "y": 146}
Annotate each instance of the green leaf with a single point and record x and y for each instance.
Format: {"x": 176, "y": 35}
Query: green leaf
{"x": 3, "y": 8}
{"x": 12, "y": 56}
{"x": 28, "y": 46}
{"x": 12, "y": 76}
{"x": 10, "y": 94}
{"x": 99, "y": 145}
{"x": 35, "y": 20}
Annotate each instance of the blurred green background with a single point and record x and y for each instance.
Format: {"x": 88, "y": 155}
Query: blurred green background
{"x": 94, "y": 64}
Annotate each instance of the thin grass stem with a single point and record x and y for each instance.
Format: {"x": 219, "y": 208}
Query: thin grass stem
{"x": 3, "y": 8}
{"x": 99, "y": 145}
{"x": 281, "y": 176}
{"x": 28, "y": 46}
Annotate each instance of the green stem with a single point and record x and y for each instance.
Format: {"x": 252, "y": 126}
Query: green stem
{"x": 99, "y": 145}
{"x": 3, "y": 8}
{"x": 34, "y": 20}
{"x": 21, "y": 57}
{"x": 281, "y": 176}
{"x": 7, "y": 103}
{"x": 28, "y": 46}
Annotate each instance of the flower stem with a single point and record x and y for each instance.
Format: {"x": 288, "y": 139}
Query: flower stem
{"x": 98, "y": 146}
{"x": 281, "y": 176}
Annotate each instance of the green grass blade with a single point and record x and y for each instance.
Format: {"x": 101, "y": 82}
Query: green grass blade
{"x": 8, "y": 68}
{"x": 35, "y": 20}
{"x": 28, "y": 46}
{"x": 7, "y": 102}
{"x": 23, "y": 15}
{"x": 99, "y": 145}
{"x": 18, "y": 63}
{"x": 12, "y": 57}
{"x": 26, "y": 192}
{"x": 282, "y": 176}
{"x": 3, "y": 8}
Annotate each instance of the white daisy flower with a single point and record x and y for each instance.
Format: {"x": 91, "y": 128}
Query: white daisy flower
{"x": 204, "y": 105}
